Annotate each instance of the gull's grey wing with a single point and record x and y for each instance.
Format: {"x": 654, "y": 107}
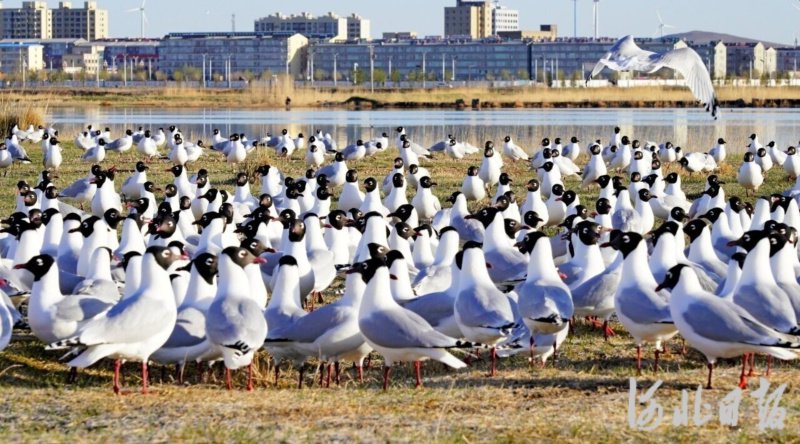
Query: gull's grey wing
{"x": 190, "y": 329}
{"x": 232, "y": 321}
{"x": 75, "y": 189}
{"x": 506, "y": 264}
{"x": 625, "y": 55}
{"x": 102, "y": 288}
{"x": 542, "y": 301}
{"x": 327, "y": 170}
{"x": 400, "y": 328}
{"x": 767, "y": 303}
{"x": 626, "y": 220}
{"x": 725, "y": 322}
{"x": 689, "y": 64}
{"x": 313, "y": 325}
{"x": 483, "y": 309}
{"x": 596, "y": 290}
{"x": 432, "y": 307}
{"x": 130, "y": 320}
{"x": 643, "y": 307}
{"x": 602, "y": 63}
{"x": 82, "y": 307}
{"x": 279, "y": 318}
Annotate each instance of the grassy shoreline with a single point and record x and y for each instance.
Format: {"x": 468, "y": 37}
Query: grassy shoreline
{"x": 264, "y": 96}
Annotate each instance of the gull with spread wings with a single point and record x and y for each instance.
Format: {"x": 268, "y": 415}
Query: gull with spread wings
{"x": 625, "y": 55}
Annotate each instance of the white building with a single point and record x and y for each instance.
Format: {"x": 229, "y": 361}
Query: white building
{"x": 16, "y": 57}
{"x": 327, "y": 27}
{"x": 358, "y": 28}
{"x": 89, "y": 22}
{"x": 242, "y": 51}
{"x": 87, "y": 58}
{"x": 30, "y": 21}
{"x": 479, "y": 19}
{"x": 504, "y": 19}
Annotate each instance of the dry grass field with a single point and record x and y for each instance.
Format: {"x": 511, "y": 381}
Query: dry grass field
{"x": 261, "y": 95}
{"x": 580, "y": 396}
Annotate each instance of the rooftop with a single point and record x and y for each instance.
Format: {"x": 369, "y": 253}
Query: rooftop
{"x": 229, "y": 35}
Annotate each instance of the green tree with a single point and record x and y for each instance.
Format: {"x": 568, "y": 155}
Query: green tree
{"x": 193, "y": 73}
{"x": 36, "y": 76}
{"x": 56, "y": 76}
{"x": 358, "y": 76}
{"x": 161, "y": 76}
{"x": 505, "y": 75}
{"x": 448, "y": 75}
{"x": 379, "y": 75}
{"x": 248, "y": 75}
{"x": 178, "y": 75}
{"x": 114, "y": 76}
{"x": 413, "y": 75}
{"x": 395, "y": 75}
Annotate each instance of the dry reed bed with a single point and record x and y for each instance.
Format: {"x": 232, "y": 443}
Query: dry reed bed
{"x": 261, "y": 94}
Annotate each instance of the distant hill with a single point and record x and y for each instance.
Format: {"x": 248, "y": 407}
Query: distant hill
{"x": 701, "y": 37}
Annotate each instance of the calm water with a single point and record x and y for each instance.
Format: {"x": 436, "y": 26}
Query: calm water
{"x": 690, "y": 128}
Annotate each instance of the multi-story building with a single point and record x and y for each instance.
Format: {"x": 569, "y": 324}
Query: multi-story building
{"x": 86, "y": 58}
{"x": 545, "y": 33}
{"x": 504, "y": 19}
{"x": 327, "y": 27}
{"x": 358, "y": 28}
{"x": 445, "y": 60}
{"x": 575, "y": 58}
{"x": 479, "y": 19}
{"x": 18, "y": 57}
{"x": 403, "y": 35}
{"x": 439, "y": 60}
{"x": 117, "y": 51}
{"x": 243, "y": 51}
{"x": 468, "y": 19}
{"x": 788, "y": 60}
{"x": 53, "y": 50}
{"x": 88, "y": 23}
{"x": 750, "y": 59}
{"x": 31, "y": 21}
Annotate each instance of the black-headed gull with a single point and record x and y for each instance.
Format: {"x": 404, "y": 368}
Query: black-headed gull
{"x": 134, "y": 328}
{"x": 717, "y": 327}
{"x": 625, "y": 55}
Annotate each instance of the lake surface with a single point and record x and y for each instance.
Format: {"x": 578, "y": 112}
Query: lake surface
{"x": 692, "y": 129}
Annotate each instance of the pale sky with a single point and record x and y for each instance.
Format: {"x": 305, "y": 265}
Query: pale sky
{"x": 768, "y": 20}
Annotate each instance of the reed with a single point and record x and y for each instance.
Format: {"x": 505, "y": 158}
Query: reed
{"x": 273, "y": 94}
{"x": 21, "y": 113}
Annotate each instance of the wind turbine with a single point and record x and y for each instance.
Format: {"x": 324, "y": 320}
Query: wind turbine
{"x": 143, "y": 16}
{"x": 596, "y": 19}
{"x": 662, "y": 25}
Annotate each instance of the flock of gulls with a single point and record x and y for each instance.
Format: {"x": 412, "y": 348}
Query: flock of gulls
{"x": 213, "y": 269}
